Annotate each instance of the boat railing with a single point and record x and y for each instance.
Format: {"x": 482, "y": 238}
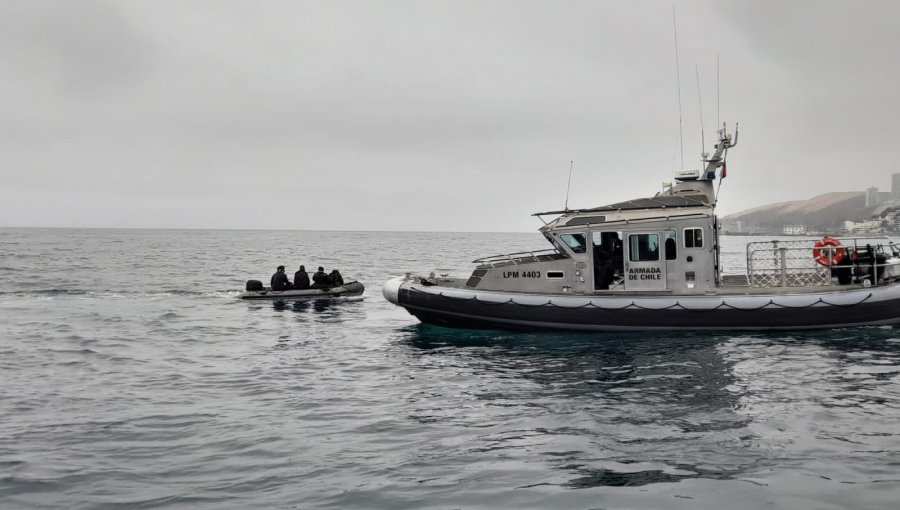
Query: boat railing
{"x": 521, "y": 257}
{"x": 804, "y": 263}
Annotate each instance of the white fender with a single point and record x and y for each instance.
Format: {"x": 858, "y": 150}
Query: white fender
{"x": 391, "y": 290}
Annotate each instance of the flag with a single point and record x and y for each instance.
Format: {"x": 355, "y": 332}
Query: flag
{"x": 724, "y": 170}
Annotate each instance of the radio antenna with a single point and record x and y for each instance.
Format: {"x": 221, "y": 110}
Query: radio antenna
{"x": 569, "y": 186}
{"x": 678, "y": 84}
{"x": 700, "y": 104}
{"x": 717, "y": 89}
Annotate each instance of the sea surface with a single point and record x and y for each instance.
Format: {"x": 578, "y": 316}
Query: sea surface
{"x": 132, "y": 376}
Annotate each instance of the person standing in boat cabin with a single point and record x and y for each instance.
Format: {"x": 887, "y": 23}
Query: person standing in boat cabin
{"x": 301, "y": 279}
{"x": 280, "y": 280}
{"x": 618, "y": 260}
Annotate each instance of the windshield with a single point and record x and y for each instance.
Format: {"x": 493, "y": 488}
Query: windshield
{"x": 576, "y": 242}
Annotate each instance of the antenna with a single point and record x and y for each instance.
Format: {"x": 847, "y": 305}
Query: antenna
{"x": 717, "y": 89}
{"x": 700, "y": 103}
{"x": 569, "y": 186}
{"x": 678, "y": 83}
{"x": 728, "y": 143}
{"x": 718, "y": 188}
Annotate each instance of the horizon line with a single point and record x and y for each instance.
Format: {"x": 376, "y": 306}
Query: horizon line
{"x": 273, "y": 229}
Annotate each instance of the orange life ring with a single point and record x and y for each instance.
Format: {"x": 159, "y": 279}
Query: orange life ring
{"x": 821, "y": 255}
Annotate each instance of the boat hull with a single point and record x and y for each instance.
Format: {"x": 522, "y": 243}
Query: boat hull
{"x": 348, "y": 289}
{"x": 454, "y": 307}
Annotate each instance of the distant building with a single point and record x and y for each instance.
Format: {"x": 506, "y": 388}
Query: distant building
{"x": 864, "y": 227}
{"x": 794, "y": 230}
{"x": 892, "y": 221}
{"x": 870, "y": 196}
{"x": 875, "y": 198}
{"x": 895, "y": 186}
{"x": 889, "y": 215}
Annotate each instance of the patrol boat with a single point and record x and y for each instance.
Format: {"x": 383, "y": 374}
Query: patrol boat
{"x": 654, "y": 264}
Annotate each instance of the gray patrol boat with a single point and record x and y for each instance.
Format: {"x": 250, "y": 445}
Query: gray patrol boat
{"x": 654, "y": 264}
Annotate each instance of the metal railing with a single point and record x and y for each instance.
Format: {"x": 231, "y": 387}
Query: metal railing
{"x": 792, "y": 263}
{"x": 521, "y": 257}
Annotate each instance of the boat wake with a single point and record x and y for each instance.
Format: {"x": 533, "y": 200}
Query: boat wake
{"x": 113, "y": 294}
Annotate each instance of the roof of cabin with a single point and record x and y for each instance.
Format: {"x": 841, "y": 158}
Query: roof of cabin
{"x": 657, "y": 202}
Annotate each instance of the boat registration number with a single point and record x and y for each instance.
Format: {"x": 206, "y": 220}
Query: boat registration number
{"x": 521, "y": 274}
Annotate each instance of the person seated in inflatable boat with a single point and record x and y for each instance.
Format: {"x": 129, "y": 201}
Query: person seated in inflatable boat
{"x": 280, "y": 280}
{"x": 301, "y": 279}
{"x": 320, "y": 279}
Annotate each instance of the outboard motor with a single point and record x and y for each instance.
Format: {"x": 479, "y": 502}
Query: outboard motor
{"x": 254, "y": 285}
{"x": 865, "y": 258}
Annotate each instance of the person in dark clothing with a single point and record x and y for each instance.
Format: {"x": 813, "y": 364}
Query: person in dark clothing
{"x": 280, "y": 280}
{"x": 616, "y": 245}
{"x": 335, "y": 278}
{"x": 301, "y": 279}
{"x": 671, "y": 250}
{"x": 320, "y": 279}
{"x": 618, "y": 261}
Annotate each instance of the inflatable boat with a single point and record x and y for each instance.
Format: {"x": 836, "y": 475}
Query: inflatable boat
{"x": 255, "y": 290}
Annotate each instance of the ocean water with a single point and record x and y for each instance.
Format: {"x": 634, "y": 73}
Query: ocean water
{"x": 132, "y": 376}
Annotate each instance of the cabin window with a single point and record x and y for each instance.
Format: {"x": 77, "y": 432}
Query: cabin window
{"x": 693, "y": 238}
{"x": 671, "y": 245}
{"x": 576, "y": 242}
{"x": 585, "y": 220}
{"x": 555, "y": 274}
{"x": 643, "y": 247}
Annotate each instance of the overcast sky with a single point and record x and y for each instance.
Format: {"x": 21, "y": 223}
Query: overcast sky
{"x": 427, "y": 115}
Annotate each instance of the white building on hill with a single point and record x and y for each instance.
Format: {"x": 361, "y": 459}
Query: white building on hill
{"x": 875, "y": 226}
{"x": 794, "y": 230}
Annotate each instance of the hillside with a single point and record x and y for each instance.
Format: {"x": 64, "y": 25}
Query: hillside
{"x": 822, "y": 213}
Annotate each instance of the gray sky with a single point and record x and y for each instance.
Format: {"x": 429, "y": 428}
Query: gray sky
{"x": 427, "y": 115}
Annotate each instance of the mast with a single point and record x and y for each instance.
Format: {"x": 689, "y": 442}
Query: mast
{"x": 698, "y": 182}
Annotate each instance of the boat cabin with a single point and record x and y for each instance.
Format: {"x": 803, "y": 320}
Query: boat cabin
{"x": 654, "y": 244}
{"x": 662, "y": 243}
